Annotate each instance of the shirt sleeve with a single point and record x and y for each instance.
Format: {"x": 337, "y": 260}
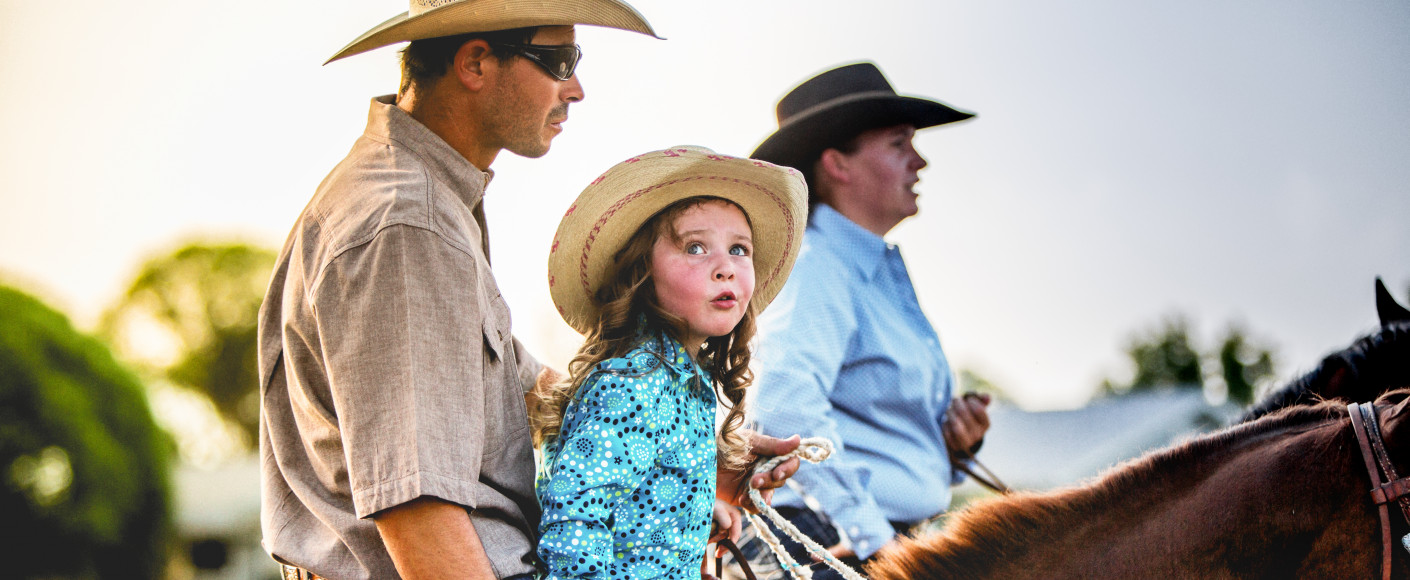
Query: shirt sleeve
{"x": 529, "y": 367}
{"x": 608, "y": 447}
{"x": 400, "y": 322}
{"x": 804, "y": 339}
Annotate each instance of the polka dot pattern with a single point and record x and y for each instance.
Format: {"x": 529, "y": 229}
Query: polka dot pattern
{"x": 628, "y": 487}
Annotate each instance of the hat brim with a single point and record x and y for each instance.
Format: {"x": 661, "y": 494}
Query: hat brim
{"x": 611, "y": 210}
{"x": 800, "y": 140}
{"x": 468, "y": 16}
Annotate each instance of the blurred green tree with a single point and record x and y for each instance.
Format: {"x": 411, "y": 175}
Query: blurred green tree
{"x": 1165, "y": 357}
{"x": 1245, "y": 367}
{"x": 203, "y": 302}
{"x": 84, "y": 481}
{"x": 1162, "y": 357}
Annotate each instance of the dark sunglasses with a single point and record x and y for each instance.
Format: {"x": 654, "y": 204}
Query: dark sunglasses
{"x": 560, "y": 60}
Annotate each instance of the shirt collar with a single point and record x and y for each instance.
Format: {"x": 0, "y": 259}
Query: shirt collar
{"x": 853, "y": 244}
{"x": 386, "y": 122}
{"x": 671, "y": 352}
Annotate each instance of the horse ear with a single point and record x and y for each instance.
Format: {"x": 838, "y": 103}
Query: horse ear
{"x": 1387, "y": 308}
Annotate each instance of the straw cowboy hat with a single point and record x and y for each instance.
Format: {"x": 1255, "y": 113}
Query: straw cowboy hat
{"x": 436, "y": 18}
{"x": 837, "y": 105}
{"x": 614, "y": 206}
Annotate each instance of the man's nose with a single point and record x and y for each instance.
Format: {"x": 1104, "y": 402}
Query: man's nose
{"x": 572, "y": 90}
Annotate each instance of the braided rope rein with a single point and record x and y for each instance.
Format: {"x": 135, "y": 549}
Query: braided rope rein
{"x": 812, "y": 450}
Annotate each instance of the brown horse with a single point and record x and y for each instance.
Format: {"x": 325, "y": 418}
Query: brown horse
{"x": 1284, "y": 496}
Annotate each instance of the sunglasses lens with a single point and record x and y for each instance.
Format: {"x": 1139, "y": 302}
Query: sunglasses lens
{"x": 561, "y": 61}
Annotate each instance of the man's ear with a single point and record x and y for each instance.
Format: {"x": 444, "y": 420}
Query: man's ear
{"x": 471, "y": 62}
{"x": 834, "y": 164}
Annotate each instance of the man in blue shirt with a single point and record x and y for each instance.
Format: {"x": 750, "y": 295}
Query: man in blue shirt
{"x": 846, "y": 352}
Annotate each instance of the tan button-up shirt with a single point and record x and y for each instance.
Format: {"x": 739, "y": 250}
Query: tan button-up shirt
{"x": 388, "y": 371}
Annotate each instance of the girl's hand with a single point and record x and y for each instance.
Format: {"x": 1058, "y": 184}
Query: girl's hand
{"x": 733, "y": 486}
{"x": 727, "y": 524}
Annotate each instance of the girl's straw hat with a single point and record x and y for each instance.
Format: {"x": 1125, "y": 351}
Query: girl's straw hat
{"x": 614, "y": 206}
{"x": 436, "y": 18}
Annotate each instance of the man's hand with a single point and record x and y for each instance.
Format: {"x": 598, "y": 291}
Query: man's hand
{"x": 839, "y": 551}
{"x": 842, "y": 552}
{"x": 965, "y": 424}
{"x": 731, "y": 484}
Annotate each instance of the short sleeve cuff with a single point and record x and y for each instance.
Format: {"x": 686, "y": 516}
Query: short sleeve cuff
{"x": 529, "y": 367}
{"x": 389, "y": 494}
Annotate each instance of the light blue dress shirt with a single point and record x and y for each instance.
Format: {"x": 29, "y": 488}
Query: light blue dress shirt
{"x": 628, "y": 486}
{"x": 846, "y": 353}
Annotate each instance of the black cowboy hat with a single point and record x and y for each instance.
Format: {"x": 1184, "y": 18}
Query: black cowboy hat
{"x": 837, "y": 105}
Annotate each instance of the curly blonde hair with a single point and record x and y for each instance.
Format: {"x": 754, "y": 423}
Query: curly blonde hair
{"x": 628, "y": 296}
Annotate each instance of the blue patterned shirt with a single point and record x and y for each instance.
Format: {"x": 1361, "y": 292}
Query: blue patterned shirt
{"x": 846, "y": 353}
{"x": 628, "y": 486}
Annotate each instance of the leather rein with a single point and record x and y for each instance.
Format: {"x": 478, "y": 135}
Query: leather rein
{"x": 1383, "y": 490}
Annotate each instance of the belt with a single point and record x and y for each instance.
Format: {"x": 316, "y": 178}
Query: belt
{"x": 296, "y": 573}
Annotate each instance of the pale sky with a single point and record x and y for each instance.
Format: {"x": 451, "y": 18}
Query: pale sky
{"x": 1245, "y": 161}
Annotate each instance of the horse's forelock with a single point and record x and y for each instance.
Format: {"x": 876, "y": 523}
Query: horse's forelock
{"x": 1375, "y": 353}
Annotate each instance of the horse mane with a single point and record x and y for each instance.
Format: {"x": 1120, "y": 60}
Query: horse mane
{"x": 1002, "y": 529}
{"x": 1368, "y": 360}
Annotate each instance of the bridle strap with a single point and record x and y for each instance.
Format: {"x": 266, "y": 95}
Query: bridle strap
{"x": 738, "y": 557}
{"x": 1358, "y": 426}
{"x": 958, "y": 460}
{"x": 1395, "y": 487}
{"x": 1383, "y": 491}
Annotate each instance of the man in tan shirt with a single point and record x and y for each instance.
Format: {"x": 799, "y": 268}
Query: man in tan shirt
{"x": 394, "y": 439}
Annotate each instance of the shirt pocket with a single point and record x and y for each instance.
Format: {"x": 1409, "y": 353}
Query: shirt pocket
{"x": 496, "y": 333}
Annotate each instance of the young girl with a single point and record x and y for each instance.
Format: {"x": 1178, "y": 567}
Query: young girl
{"x": 662, "y": 263}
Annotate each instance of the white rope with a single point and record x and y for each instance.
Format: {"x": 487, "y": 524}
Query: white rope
{"x": 813, "y": 450}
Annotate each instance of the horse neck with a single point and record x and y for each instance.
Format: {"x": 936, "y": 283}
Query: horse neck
{"x": 1190, "y": 510}
{"x": 1372, "y": 365}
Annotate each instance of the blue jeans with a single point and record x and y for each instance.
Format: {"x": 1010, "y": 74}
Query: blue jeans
{"x": 814, "y": 525}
